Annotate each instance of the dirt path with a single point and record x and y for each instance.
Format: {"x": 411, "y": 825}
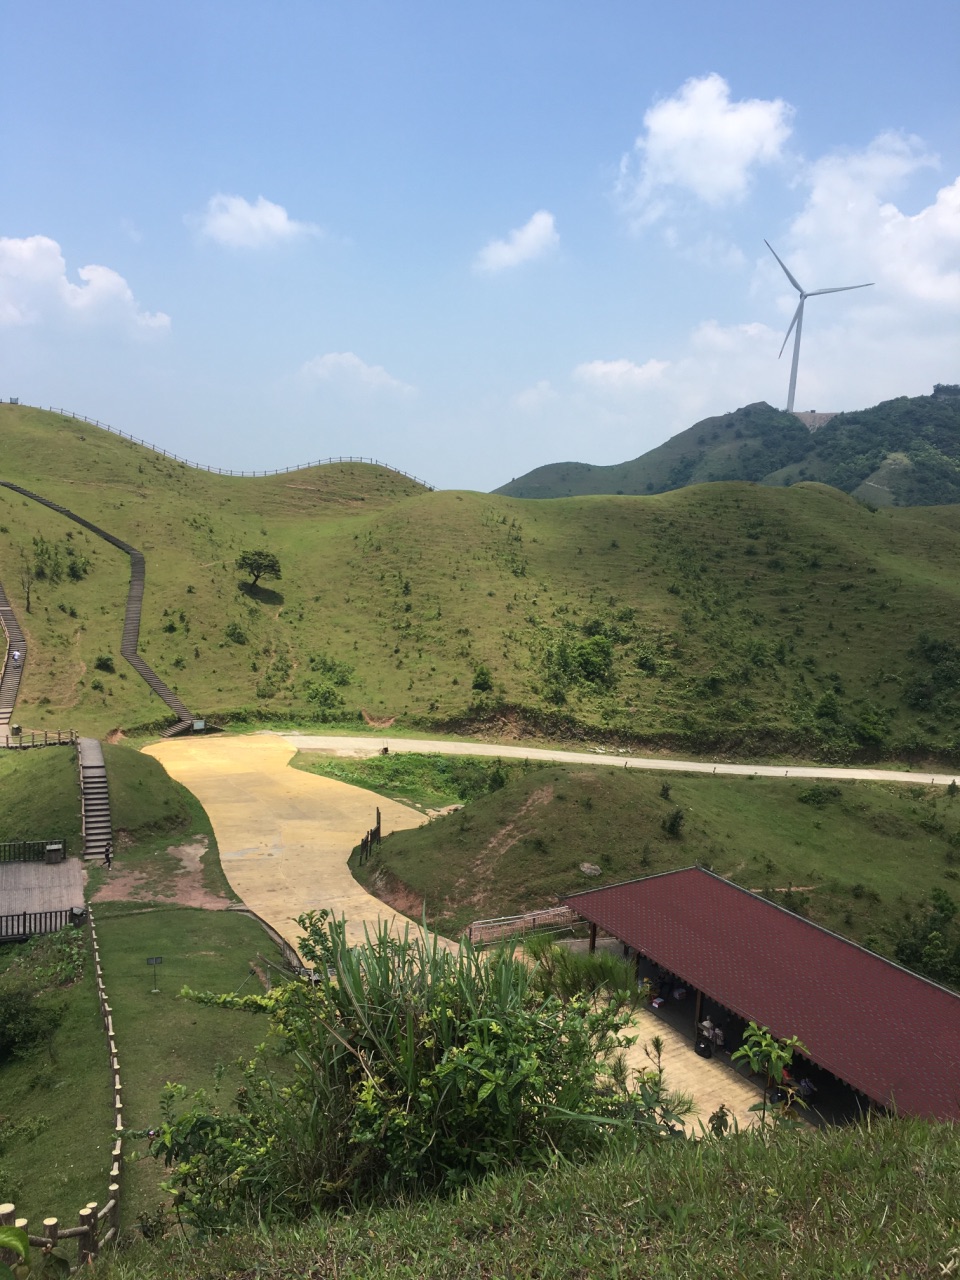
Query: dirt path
{"x": 336, "y": 745}
{"x": 284, "y": 835}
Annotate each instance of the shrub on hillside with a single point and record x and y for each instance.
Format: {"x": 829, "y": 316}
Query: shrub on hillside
{"x": 405, "y": 1067}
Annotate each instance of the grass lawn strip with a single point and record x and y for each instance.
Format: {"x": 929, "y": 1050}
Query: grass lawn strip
{"x": 163, "y": 1038}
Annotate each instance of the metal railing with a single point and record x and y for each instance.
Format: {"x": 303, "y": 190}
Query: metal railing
{"x": 33, "y": 850}
{"x": 26, "y": 924}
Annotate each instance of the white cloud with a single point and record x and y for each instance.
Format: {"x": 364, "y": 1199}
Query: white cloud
{"x": 238, "y": 224}
{"x": 34, "y": 289}
{"x": 620, "y": 376}
{"x": 535, "y": 398}
{"x": 701, "y": 144}
{"x": 532, "y": 240}
{"x": 850, "y": 226}
{"x": 345, "y": 369}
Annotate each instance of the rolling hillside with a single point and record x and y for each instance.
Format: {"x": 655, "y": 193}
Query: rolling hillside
{"x": 904, "y": 452}
{"x": 715, "y": 618}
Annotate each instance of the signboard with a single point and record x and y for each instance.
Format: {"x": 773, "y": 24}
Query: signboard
{"x": 153, "y": 961}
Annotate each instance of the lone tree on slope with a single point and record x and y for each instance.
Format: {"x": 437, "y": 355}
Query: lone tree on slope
{"x": 259, "y": 564}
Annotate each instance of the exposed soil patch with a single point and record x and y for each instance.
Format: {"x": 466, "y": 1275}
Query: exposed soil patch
{"x": 115, "y": 735}
{"x": 377, "y": 722}
{"x": 392, "y": 890}
{"x": 185, "y": 886}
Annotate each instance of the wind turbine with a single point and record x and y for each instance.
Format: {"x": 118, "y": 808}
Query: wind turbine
{"x": 798, "y": 319}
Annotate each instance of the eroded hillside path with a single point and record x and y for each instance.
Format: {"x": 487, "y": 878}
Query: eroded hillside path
{"x": 284, "y": 835}
{"x": 367, "y": 745}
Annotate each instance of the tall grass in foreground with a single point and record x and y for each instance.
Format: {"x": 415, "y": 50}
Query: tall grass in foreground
{"x": 405, "y": 1068}
{"x": 877, "y": 1200}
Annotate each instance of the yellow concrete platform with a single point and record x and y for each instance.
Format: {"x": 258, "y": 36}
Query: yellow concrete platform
{"x": 284, "y": 835}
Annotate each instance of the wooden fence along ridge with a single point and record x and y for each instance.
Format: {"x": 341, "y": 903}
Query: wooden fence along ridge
{"x": 96, "y": 1226}
{"x": 222, "y": 471}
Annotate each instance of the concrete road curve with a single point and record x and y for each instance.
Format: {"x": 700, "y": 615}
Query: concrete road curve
{"x": 284, "y": 835}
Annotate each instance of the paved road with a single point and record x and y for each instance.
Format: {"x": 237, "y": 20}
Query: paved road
{"x": 284, "y": 835}
{"x": 368, "y": 746}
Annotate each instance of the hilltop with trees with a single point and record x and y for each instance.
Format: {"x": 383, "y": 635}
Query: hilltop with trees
{"x": 903, "y": 452}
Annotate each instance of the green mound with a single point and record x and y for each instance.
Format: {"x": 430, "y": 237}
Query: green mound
{"x": 721, "y": 618}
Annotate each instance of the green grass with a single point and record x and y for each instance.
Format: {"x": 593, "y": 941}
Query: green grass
{"x": 163, "y": 1037}
{"x": 40, "y": 796}
{"x": 65, "y": 1088}
{"x": 426, "y": 781}
{"x": 731, "y": 610}
{"x": 863, "y": 854}
{"x": 851, "y": 1202}
{"x": 63, "y": 1167}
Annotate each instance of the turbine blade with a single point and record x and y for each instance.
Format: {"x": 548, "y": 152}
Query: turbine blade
{"x": 786, "y": 272}
{"x": 796, "y": 317}
{"x": 844, "y": 288}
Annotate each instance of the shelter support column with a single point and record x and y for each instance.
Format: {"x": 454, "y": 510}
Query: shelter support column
{"x": 593, "y": 938}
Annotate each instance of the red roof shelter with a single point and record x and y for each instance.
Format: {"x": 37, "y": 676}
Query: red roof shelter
{"x": 889, "y": 1033}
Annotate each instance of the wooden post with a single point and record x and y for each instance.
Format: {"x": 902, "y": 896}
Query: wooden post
{"x": 593, "y": 938}
{"x": 51, "y": 1229}
{"x": 85, "y": 1242}
{"x": 696, "y": 1012}
{"x": 6, "y": 1214}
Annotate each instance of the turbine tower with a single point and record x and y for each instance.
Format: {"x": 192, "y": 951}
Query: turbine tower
{"x": 798, "y": 319}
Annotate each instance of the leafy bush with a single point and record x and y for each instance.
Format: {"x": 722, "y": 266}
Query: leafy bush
{"x": 235, "y": 632}
{"x": 105, "y": 663}
{"x": 482, "y": 679}
{"x": 819, "y": 795}
{"x": 338, "y": 673}
{"x": 26, "y": 1021}
{"x": 406, "y": 1067}
{"x": 673, "y": 823}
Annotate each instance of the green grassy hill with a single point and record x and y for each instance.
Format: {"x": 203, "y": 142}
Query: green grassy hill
{"x": 714, "y": 618}
{"x": 904, "y": 452}
{"x": 835, "y": 853}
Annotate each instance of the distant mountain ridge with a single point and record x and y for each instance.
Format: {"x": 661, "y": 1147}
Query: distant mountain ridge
{"x": 903, "y": 452}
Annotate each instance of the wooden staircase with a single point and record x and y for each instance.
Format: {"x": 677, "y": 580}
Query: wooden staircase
{"x": 11, "y": 671}
{"x": 131, "y": 621}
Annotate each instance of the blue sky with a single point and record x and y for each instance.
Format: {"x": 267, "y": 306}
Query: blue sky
{"x": 468, "y": 240}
